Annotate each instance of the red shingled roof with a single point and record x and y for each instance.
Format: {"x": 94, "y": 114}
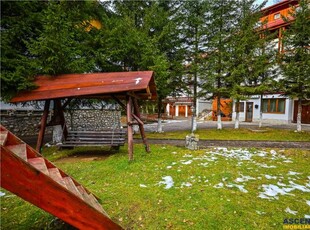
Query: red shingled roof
{"x": 92, "y": 85}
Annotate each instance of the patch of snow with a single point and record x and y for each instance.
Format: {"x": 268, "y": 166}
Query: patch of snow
{"x": 174, "y": 152}
{"x": 187, "y": 162}
{"x": 169, "y": 167}
{"x": 270, "y": 177}
{"x": 204, "y": 164}
{"x": 219, "y": 185}
{"x": 281, "y": 184}
{"x": 244, "y": 178}
{"x": 168, "y": 181}
{"x": 291, "y": 173}
{"x": 288, "y": 161}
{"x": 143, "y": 186}
{"x": 299, "y": 187}
{"x": 2, "y": 194}
{"x": 186, "y": 184}
{"x": 288, "y": 210}
{"x": 307, "y": 216}
{"x": 188, "y": 155}
{"x": 308, "y": 202}
{"x": 266, "y": 166}
{"x": 271, "y": 191}
{"x": 260, "y": 212}
{"x": 240, "y": 187}
{"x": 273, "y": 152}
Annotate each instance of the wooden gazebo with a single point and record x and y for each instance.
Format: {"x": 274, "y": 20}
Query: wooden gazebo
{"x": 124, "y": 87}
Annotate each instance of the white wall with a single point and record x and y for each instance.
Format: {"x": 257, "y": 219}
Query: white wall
{"x": 268, "y": 117}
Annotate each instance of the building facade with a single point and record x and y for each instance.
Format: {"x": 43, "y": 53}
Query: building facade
{"x": 276, "y": 107}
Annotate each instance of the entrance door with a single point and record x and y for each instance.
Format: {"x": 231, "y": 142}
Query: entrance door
{"x": 305, "y": 112}
{"x": 249, "y": 112}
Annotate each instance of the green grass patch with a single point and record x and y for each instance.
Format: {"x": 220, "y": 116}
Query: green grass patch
{"x": 212, "y": 188}
{"x": 237, "y": 134}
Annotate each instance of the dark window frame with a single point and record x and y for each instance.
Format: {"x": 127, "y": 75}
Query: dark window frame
{"x": 276, "y": 105}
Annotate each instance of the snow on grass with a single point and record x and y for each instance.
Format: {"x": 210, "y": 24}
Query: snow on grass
{"x": 288, "y": 210}
{"x": 256, "y": 162}
{"x": 168, "y": 181}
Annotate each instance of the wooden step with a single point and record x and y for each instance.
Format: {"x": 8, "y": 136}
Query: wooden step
{"x": 3, "y": 137}
{"x": 19, "y": 150}
{"x": 85, "y": 195}
{"x": 39, "y": 163}
{"x": 71, "y": 187}
{"x": 96, "y": 204}
{"x": 56, "y": 176}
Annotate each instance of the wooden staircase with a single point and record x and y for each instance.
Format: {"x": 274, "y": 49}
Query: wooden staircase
{"x": 30, "y": 176}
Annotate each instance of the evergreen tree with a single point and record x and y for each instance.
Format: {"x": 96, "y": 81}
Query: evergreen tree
{"x": 250, "y": 57}
{"x": 295, "y": 60}
{"x": 221, "y": 23}
{"x": 193, "y": 33}
{"x": 20, "y": 22}
{"x": 60, "y": 47}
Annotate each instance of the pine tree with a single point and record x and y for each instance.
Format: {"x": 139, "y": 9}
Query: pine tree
{"x": 250, "y": 57}
{"x": 193, "y": 28}
{"x": 221, "y": 23}
{"x": 20, "y": 22}
{"x": 295, "y": 61}
{"x": 60, "y": 48}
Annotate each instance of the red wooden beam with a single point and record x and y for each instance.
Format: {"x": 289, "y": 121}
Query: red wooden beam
{"x": 129, "y": 128}
{"x": 41, "y": 190}
{"x": 141, "y": 125}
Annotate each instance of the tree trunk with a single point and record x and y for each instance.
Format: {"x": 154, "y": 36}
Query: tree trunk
{"x": 260, "y": 124}
{"x": 159, "y": 124}
{"x": 299, "y": 115}
{"x": 237, "y": 121}
{"x": 218, "y": 111}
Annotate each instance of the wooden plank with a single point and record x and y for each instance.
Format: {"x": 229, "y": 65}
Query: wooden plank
{"x": 95, "y": 84}
{"x": 56, "y": 176}
{"x": 39, "y": 164}
{"x": 3, "y": 137}
{"x": 42, "y": 191}
{"x": 20, "y": 150}
{"x": 71, "y": 186}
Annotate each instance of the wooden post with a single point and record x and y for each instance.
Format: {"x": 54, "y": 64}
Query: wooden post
{"x": 43, "y": 126}
{"x": 129, "y": 128}
{"x": 60, "y": 113}
{"x": 141, "y": 127}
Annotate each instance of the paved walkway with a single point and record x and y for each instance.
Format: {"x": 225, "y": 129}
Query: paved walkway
{"x": 177, "y": 125}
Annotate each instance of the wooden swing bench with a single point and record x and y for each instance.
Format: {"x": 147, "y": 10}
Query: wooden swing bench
{"x": 110, "y": 137}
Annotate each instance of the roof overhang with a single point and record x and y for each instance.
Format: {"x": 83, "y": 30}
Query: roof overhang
{"x": 91, "y": 85}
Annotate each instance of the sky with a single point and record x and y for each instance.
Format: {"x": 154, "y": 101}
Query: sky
{"x": 269, "y": 3}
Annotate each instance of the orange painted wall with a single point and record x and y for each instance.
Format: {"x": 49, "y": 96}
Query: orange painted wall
{"x": 226, "y": 109}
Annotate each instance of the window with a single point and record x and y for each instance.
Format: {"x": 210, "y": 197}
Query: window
{"x": 276, "y": 16}
{"x": 241, "y": 107}
{"x": 273, "y": 105}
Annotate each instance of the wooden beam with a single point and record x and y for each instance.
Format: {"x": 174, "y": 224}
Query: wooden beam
{"x": 43, "y": 125}
{"x": 141, "y": 125}
{"x": 60, "y": 113}
{"x": 129, "y": 128}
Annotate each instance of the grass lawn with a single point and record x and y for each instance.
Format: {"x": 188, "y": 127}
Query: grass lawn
{"x": 174, "y": 188}
{"x": 237, "y": 134}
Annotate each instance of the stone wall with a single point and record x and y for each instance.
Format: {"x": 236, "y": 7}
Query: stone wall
{"x": 22, "y": 123}
{"x": 93, "y": 120}
{"x": 25, "y": 123}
